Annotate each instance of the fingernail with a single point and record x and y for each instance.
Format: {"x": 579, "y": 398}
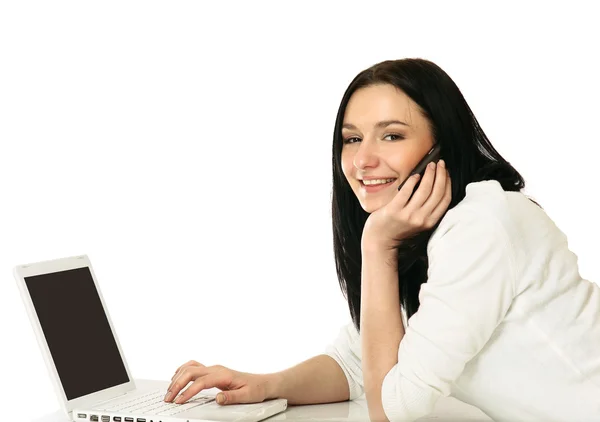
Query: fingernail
{"x": 417, "y": 176}
{"x": 221, "y": 398}
{"x": 442, "y": 164}
{"x": 168, "y": 396}
{"x": 431, "y": 165}
{"x": 179, "y": 400}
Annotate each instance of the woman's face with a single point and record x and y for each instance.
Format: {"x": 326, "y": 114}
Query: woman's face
{"x": 385, "y": 136}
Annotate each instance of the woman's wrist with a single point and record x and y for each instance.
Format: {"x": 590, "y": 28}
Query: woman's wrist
{"x": 371, "y": 241}
{"x": 379, "y": 253}
{"x": 371, "y": 245}
{"x": 274, "y": 385}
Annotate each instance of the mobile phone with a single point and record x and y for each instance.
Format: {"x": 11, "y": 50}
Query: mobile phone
{"x": 432, "y": 155}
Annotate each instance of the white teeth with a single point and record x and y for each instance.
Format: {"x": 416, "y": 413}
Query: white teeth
{"x": 377, "y": 181}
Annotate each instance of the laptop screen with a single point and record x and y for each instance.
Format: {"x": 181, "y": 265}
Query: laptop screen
{"x": 79, "y": 337}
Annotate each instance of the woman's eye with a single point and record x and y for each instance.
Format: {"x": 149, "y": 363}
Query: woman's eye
{"x": 397, "y": 137}
{"x": 394, "y": 137}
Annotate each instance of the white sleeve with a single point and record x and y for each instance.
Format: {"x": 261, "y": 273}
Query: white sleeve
{"x": 469, "y": 290}
{"x": 346, "y": 351}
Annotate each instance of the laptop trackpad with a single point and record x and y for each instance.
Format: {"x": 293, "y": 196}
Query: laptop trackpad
{"x": 235, "y": 412}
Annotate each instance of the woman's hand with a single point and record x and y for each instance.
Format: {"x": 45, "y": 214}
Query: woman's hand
{"x": 238, "y": 387}
{"x": 398, "y": 220}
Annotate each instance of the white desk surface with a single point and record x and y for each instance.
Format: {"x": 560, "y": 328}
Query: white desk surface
{"x": 447, "y": 410}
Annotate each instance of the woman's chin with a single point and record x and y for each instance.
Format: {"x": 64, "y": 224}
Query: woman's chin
{"x": 372, "y": 205}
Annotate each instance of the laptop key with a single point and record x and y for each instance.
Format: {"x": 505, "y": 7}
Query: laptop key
{"x": 153, "y": 403}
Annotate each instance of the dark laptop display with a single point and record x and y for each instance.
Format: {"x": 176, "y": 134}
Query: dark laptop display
{"x": 76, "y": 329}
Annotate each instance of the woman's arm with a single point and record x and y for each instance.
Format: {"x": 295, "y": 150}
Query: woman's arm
{"x": 314, "y": 381}
{"x": 381, "y": 322}
{"x": 332, "y": 377}
{"x": 469, "y": 289}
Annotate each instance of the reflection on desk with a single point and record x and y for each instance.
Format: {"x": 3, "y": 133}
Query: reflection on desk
{"x": 447, "y": 409}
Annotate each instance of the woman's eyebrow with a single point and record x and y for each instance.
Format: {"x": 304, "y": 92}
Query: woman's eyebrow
{"x": 378, "y": 125}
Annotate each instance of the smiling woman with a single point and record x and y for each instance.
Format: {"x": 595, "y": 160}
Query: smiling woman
{"x": 379, "y": 153}
{"x": 389, "y": 118}
{"x": 457, "y": 283}
{"x": 481, "y": 272}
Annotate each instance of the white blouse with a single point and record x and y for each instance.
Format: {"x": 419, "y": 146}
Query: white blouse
{"x": 505, "y": 322}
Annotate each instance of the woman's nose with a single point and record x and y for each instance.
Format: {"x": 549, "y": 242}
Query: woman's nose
{"x": 366, "y": 155}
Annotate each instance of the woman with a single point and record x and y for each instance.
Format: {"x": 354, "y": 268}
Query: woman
{"x": 467, "y": 288}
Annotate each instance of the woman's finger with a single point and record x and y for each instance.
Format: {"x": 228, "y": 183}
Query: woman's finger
{"x": 183, "y": 379}
{"x": 242, "y": 395}
{"x": 424, "y": 190}
{"x": 442, "y": 206}
{"x": 438, "y": 189}
{"x": 185, "y": 365}
{"x": 406, "y": 191}
{"x": 221, "y": 379}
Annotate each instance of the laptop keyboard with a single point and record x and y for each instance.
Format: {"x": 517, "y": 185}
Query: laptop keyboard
{"x": 153, "y": 403}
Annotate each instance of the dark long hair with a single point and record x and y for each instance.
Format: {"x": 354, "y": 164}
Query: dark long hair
{"x": 469, "y": 157}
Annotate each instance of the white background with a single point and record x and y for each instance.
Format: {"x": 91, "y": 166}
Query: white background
{"x": 187, "y": 150}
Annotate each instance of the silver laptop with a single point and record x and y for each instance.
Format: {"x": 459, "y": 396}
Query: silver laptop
{"x": 85, "y": 360}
